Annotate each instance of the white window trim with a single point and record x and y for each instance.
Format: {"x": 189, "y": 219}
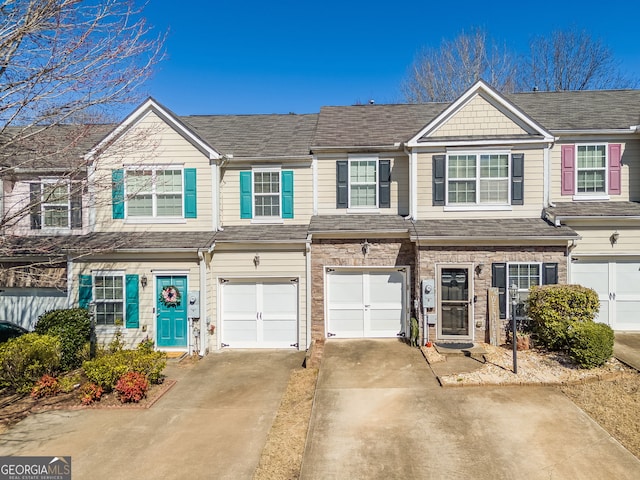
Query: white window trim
{"x": 56, "y": 183}
{"x": 106, "y": 328}
{"x": 364, "y": 208}
{"x": 266, "y": 219}
{"x": 591, "y": 195}
{"x": 465, "y": 207}
{"x": 509, "y": 264}
{"x": 154, "y": 218}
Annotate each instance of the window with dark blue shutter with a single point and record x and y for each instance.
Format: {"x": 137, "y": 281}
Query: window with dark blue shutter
{"x": 35, "y": 205}
{"x": 499, "y": 280}
{"x": 439, "y": 173}
{"x": 342, "y": 184}
{"x": 549, "y": 273}
{"x": 517, "y": 179}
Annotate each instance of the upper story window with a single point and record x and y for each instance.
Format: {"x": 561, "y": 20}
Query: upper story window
{"x": 55, "y": 204}
{"x": 591, "y": 171}
{"x": 363, "y": 182}
{"x": 478, "y": 179}
{"x": 266, "y": 194}
{"x": 154, "y": 193}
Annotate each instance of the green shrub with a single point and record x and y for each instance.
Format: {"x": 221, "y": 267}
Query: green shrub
{"x": 107, "y": 369}
{"x": 25, "y": 359}
{"x": 555, "y": 308}
{"x": 73, "y": 327}
{"x": 590, "y": 343}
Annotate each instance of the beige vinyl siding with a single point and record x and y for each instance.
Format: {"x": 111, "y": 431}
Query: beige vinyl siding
{"x": 273, "y": 264}
{"x": 596, "y": 240}
{"x": 478, "y": 118}
{"x": 147, "y": 296}
{"x": 630, "y": 177}
{"x": 152, "y": 142}
{"x": 399, "y": 184}
{"x": 302, "y": 195}
{"x": 533, "y": 190}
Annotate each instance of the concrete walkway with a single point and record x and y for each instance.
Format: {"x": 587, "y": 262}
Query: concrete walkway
{"x": 380, "y": 414}
{"x": 212, "y": 424}
{"x": 627, "y": 348}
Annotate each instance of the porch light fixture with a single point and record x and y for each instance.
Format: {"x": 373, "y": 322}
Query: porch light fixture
{"x": 614, "y": 238}
{"x": 513, "y": 293}
{"x": 256, "y": 260}
{"x": 365, "y": 247}
{"x": 143, "y": 281}
{"x": 479, "y": 268}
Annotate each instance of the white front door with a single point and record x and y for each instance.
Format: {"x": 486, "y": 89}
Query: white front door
{"x": 618, "y": 286}
{"x": 260, "y": 314}
{"x": 365, "y": 303}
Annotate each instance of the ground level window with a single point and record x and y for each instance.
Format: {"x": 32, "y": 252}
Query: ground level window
{"x": 525, "y": 276}
{"x": 109, "y": 299}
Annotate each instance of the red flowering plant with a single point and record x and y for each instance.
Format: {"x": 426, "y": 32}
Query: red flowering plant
{"x": 47, "y": 386}
{"x": 132, "y": 387}
{"x": 90, "y": 392}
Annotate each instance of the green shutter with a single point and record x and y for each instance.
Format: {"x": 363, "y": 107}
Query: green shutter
{"x": 133, "y": 310}
{"x": 245, "y": 194}
{"x": 85, "y": 291}
{"x": 342, "y": 184}
{"x": 517, "y": 179}
{"x": 287, "y": 194}
{"x": 499, "y": 280}
{"x": 117, "y": 193}
{"x": 190, "y": 196}
{"x": 439, "y": 174}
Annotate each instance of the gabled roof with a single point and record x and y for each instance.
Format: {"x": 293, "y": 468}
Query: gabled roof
{"x": 288, "y": 135}
{"x": 150, "y": 105}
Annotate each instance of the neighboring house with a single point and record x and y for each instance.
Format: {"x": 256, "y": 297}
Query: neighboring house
{"x": 278, "y": 230}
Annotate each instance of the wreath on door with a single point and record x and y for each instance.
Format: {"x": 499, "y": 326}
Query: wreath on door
{"x": 170, "y": 296}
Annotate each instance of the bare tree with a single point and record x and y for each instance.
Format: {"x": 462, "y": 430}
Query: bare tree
{"x": 572, "y": 60}
{"x": 442, "y": 74}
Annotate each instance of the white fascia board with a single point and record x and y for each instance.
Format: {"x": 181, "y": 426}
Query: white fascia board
{"x": 465, "y": 98}
{"x": 603, "y": 131}
{"x": 484, "y": 143}
{"x": 150, "y": 105}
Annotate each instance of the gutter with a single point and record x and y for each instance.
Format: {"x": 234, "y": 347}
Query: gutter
{"x": 444, "y": 238}
{"x": 355, "y": 148}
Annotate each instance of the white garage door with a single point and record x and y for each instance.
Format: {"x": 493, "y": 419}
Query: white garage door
{"x": 618, "y": 287}
{"x": 260, "y": 314}
{"x": 365, "y": 304}
{"x": 23, "y": 306}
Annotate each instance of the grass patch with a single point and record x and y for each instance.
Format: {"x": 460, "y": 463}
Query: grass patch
{"x": 281, "y": 457}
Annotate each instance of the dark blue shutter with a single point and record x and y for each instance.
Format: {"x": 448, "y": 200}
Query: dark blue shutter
{"x": 245, "y": 194}
{"x": 35, "y": 200}
{"x": 342, "y": 184}
{"x": 76, "y": 205}
{"x": 85, "y": 291}
{"x": 499, "y": 280}
{"x": 517, "y": 179}
{"x": 190, "y": 193}
{"x": 132, "y": 307}
{"x": 384, "y": 183}
{"x": 549, "y": 273}
{"x": 117, "y": 194}
{"x": 439, "y": 171}
{"x": 287, "y": 193}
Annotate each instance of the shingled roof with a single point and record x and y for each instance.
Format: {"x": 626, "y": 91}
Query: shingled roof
{"x": 490, "y": 229}
{"x": 592, "y": 210}
{"x": 256, "y": 135}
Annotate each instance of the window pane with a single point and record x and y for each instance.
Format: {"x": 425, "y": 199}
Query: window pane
{"x": 494, "y": 166}
{"x": 109, "y": 295}
{"x": 462, "y": 192}
{"x": 266, "y": 182}
{"x": 169, "y": 181}
{"x": 140, "y": 206}
{"x": 363, "y": 171}
{"x": 462, "y": 166}
{"x": 494, "y": 191}
{"x": 266, "y": 194}
{"x": 169, "y": 205}
{"x": 56, "y": 216}
{"x": 363, "y": 195}
{"x": 590, "y": 181}
{"x": 56, "y": 194}
{"x": 267, "y": 206}
{"x": 139, "y": 181}
{"x": 591, "y": 156}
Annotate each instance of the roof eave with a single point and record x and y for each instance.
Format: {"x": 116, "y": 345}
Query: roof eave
{"x": 397, "y": 146}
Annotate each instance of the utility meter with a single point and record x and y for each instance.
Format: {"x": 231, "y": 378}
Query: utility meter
{"x": 428, "y": 288}
{"x": 193, "y": 307}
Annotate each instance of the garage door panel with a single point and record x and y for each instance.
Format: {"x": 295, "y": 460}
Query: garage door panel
{"x": 385, "y": 287}
{"x": 627, "y": 315}
{"x": 627, "y": 279}
{"x": 384, "y": 322}
{"x": 592, "y": 275}
{"x": 346, "y": 289}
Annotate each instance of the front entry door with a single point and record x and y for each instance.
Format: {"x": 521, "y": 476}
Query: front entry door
{"x": 172, "y": 318}
{"x": 455, "y": 300}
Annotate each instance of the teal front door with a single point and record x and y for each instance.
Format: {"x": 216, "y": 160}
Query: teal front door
{"x": 171, "y": 315}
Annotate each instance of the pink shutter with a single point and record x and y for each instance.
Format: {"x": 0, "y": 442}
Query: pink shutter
{"x": 568, "y": 169}
{"x": 615, "y": 150}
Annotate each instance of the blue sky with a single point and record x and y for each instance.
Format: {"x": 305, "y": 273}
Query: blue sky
{"x": 295, "y": 56}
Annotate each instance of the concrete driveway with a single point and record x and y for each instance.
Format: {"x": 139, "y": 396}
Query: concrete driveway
{"x": 380, "y": 414}
{"x": 627, "y": 348}
{"x": 212, "y": 424}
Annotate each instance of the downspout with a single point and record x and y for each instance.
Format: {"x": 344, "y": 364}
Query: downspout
{"x": 570, "y": 248}
{"x": 214, "y": 196}
{"x": 413, "y": 183}
{"x": 308, "y": 289}
{"x": 205, "y": 320}
{"x": 314, "y": 174}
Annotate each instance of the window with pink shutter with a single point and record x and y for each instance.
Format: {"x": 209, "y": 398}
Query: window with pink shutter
{"x": 568, "y": 169}
{"x": 615, "y": 153}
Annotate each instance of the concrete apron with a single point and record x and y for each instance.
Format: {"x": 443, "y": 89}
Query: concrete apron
{"x": 212, "y": 424}
{"x": 379, "y": 413}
